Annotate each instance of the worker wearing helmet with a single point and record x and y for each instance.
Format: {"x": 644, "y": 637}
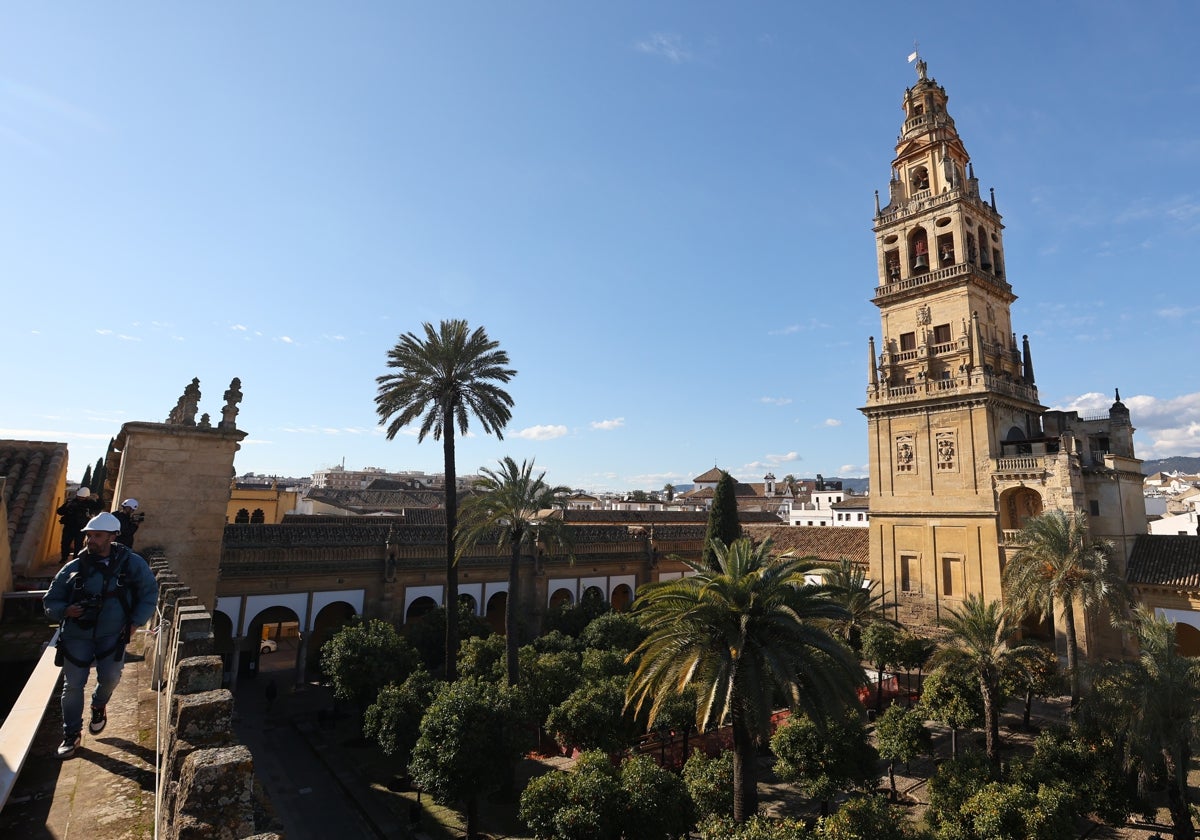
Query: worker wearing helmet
{"x": 129, "y": 519}
{"x": 74, "y": 514}
{"x": 99, "y": 597}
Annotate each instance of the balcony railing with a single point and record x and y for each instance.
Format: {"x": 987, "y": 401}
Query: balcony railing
{"x": 1021, "y": 463}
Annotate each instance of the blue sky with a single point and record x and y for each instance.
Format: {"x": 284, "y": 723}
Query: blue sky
{"x": 662, "y": 211}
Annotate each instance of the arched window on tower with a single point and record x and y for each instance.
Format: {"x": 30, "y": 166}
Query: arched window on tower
{"x": 918, "y": 246}
{"x": 891, "y": 260}
{"x": 945, "y": 250}
{"x": 971, "y": 251}
{"x": 257, "y": 518}
{"x": 242, "y": 517}
{"x": 920, "y": 178}
{"x": 985, "y": 261}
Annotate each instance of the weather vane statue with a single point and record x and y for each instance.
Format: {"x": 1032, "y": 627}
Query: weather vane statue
{"x": 915, "y": 55}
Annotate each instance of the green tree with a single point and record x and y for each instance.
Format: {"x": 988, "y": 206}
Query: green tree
{"x": 442, "y": 380}
{"x": 914, "y": 652}
{"x": 954, "y": 782}
{"x": 1057, "y": 564}
{"x": 428, "y": 635}
{"x": 470, "y": 740}
{"x": 87, "y": 478}
{"x": 864, "y": 604}
{"x": 866, "y": 818}
{"x": 901, "y": 736}
{"x": 723, "y": 523}
{"x": 657, "y": 806}
{"x": 1161, "y": 715}
{"x": 547, "y": 680}
{"x": 482, "y": 657}
{"x": 613, "y": 630}
{"x": 980, "y": 636}
{"x": 517, "y": 510}
{"x": 1010, "y": 811}
{"x": 363, "y": 657}
{"x": 710, "y": 783}
{"x": 1035, "y": 675}
{"x": 742, "y": 628}
{"x": 394, "y": 719}
{"x": 593, "y": 717}
{"x": 572, "y": 619}
{"x": 951, "y": 696}
{"x": 825, "y": 760}
{"x": 880, "y": 647}
{"x": 669, "y": 489}
{"x": 757, "y": 827}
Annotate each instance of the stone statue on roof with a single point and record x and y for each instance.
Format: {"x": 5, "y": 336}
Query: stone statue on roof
{"x": 184, "y": 412}
{"x": 232, "y": 397}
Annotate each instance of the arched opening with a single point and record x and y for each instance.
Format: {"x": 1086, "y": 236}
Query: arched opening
{"x": 222, "y": 628}
{"x": 920, "y": 178}
{"x": 332, "y": 618}
{"x": 470, "y": 601}
{"x": 918, "y": 248}
{"x": 622, "y": 598}
{"x": 496, "y": 606}
{"x": 593, "y": 593}
{"x": 270, "y": 646}
{"x": 1018, "y": 506}
{"x": 985, "y": 259}
{"x": 242, "y": 517}
{"x": 561, "y": 598}
{"x": 418, "y": 609}
{"x": 1187, "y": 640}
{"x": 258, "y": 517}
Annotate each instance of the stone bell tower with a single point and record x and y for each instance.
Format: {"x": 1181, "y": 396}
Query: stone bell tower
{"x": 947, "y": 381}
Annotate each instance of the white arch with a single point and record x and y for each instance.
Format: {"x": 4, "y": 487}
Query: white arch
{"x": 475, "y": 590}
{"x": 571, "y": 585}
{"x": 320, "y": 600}
{"x": 1189, "y": 617}
{"x": 297, "y": 602}
{"x": 413, "y": 593}
{"x": 231, "y": 606}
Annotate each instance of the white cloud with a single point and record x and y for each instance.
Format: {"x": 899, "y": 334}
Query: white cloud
{"x": 542, "y": 432}
{"x": 832, "y": 422}
{"x": 104, "y": 332}
{"x": 853, "y": 470}
{"x": 286, "y": 339}
{"x": 775, "y": 400}
{"x": 608, "y": 425}
{"x": 669, "y": 46}
{"x": 771, "y": 462}
{"x": 238, "y": 327}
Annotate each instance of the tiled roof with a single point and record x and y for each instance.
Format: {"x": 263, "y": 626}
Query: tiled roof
{"x": 826, "y": 543}
{"x": 1165, "y": 560}
{"x": 666, "y": 517}
{"x": 34, "y": 474}
{"x": 853, "y": 502}
{"x": 378, "y": 501}
{"x": 712, "y": 475}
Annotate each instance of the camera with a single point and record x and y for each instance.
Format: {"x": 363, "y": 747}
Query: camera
{"x": 92, "y": 604}
{"x": 138, "y": 517}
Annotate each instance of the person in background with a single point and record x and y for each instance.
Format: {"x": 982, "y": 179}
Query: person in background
{"x": 99, "y": 597}
{"x": 74, "y": 514}
{"x": 129, "y": 518}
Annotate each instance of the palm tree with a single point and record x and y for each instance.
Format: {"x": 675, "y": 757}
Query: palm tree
{"x": 443, "y": 379}
{"x": 1056, "y": 564}
{"x": 1164, "y": 714}
{"x": 512, "y": 508}
{"x": 743, "y": 627}
{"x": 864, "y": 604}
{"x": 980, "y": 635}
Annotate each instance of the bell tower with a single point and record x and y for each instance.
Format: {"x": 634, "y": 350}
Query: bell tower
{"x": 948, "y": 383}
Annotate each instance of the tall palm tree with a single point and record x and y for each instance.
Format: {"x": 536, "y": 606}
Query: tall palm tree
{"x": 512, "y": 508}
{"x": 1057, "y": 564}
{"x": 980, "y": 642}
{"x": 443, "y": 379}
{"x": 743, "y": 627}
{"x": 1164, "y": 714}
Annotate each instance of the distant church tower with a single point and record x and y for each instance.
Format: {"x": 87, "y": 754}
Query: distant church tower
{"x": 961, "y": 451}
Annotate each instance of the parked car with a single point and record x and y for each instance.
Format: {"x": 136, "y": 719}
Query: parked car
{"x": 268, "y": 646}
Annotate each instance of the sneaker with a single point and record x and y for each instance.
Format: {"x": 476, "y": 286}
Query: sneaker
{"x": 67, "y": 748}
{"x": 99, "y": 719}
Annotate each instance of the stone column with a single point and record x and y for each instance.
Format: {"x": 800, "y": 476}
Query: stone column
{"x": 301, "y": 656}
{"x": 236, "y": 663}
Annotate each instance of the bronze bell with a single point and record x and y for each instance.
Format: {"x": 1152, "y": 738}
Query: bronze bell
{"x": 921, "y": 261}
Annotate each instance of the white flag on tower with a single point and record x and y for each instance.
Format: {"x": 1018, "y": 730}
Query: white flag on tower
{"x": 912, "y": 57}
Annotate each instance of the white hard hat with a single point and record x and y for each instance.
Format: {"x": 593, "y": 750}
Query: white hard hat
{"x": 104, "y": 522}
{"x": 130, "y": 503}
{"x": 83, "y": 492}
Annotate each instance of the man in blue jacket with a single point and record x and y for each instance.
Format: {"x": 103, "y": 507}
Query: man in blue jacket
{"x": 99, "y": 597}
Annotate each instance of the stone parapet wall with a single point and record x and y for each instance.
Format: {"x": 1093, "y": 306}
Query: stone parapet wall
{"x": 207, "y": 777}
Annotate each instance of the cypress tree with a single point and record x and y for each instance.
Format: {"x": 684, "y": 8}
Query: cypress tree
{"x": 723, "y": 521}
{"x": 87, "y": 478}
{"x": 98, "y": 476}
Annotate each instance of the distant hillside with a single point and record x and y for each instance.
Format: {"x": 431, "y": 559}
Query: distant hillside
{"x": 1191, "y": 466}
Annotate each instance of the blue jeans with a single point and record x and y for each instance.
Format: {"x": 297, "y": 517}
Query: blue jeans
{"x": 75, "y": 677}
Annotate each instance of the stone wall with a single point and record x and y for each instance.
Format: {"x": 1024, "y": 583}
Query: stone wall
{"x": 207, "y": 777}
